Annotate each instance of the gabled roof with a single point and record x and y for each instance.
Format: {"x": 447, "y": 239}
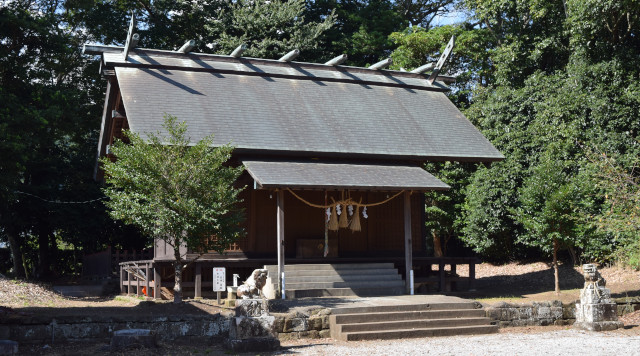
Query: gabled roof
{"x": 322, "y": 175}
{"x": 266, "y": 106}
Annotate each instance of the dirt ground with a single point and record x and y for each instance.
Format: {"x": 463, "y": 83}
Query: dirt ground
{"x": 514, "y": 282}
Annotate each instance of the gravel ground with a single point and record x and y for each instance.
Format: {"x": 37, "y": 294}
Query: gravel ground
{"x": 560, "y": 342}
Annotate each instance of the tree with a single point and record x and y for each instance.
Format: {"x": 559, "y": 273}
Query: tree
{"x": 269, "y": 28}
{"x": 443, "y": 209}
{"x": 361, "y": 29}
{"x": 548, "y": 210}
{"x": 175, "y": 192}
{"x": 47, "y": 92}
{"x": 621, "y": 215}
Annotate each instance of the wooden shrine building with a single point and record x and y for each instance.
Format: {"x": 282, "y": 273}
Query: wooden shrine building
{"x": 309, "y": 135}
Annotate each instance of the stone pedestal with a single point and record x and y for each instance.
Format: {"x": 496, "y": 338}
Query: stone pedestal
{"x": 596, "y": 311}
{"x": 252, "y": 329}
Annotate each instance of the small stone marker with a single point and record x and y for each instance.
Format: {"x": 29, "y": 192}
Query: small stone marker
{"x": 8, "y": 347}
{"x": 596, "y": 311}
{"x": 133, "y": 338}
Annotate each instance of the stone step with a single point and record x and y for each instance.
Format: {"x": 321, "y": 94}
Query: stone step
{"x": 349, "y": 284}
{"x": 344, "y": 292}
{"x": 413, "y": 324}
{"x": 403, "y": 315}
{"x": 344, "y": 278}
{"x": 415, "y": 333}
{"x": 335, "y": 266}
{"x": 407, "y": 308}
{"x": 343, "y": 272}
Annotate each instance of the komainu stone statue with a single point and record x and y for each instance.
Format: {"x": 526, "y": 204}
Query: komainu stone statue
{"x": 596, "y": 311}
{"x": 252, "y": 287}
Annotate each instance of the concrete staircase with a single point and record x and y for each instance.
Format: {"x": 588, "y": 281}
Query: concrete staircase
{"x": 328, "y": 280}
{"x": 409, "y": 321}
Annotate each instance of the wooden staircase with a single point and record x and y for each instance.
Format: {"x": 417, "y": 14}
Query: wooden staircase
{"x": 329, "y": 280}
{"x": 409, "y": 321}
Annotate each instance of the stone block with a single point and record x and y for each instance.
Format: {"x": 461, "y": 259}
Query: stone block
{"x": 133, "y": 338}
{"x": 251, "y": 307}
{"x": 596, "y": 312}
{"x": 288, "y": 336}
{"x": 295, "y": 324}
{"x": 324, "y": 334}
{"x": 315, "y": 323}
{"x": 8, "y": 347}
{"x": 311, "y": 334}
{"x": 543, "y": 312}
{"x": 493, "y": 313}
{"x": 598, "y": 326}
{"x": 251, "y": 327}
{"x": 278, "y": 324}
{"x": 325, "y": 322}
{"x": 569, "y": 311}
{"x": 524, "y": 313}
{"x": 556, "y": 303}
{"x": 261, "y": 344}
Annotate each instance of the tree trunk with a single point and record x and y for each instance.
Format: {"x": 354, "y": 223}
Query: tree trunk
{"x": 16, "y": 254}
{"x": 177, "y": 288}
{"x": 574, "y": 256}
{"x": 555, "y": 266}
{"x": 437, "y": 245}
{"x": 44, "y": 263}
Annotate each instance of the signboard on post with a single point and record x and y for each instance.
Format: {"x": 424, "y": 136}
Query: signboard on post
{"x": 219, "y": 279}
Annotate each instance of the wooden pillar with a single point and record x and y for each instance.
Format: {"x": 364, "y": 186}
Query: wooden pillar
{"x": 157, "y": 283}
{"x": 198, "y": 282}
{"x": 472, "y": 276}
{"x": 280, "y": 233}
{"x": 147, "y": 283}
{"x": 121, "y": 280}
{"x": 441, "y": 274}
{"x": 138, "y": 286}
{"x": 128, "y": 283}
{"x": 408, "y": 248}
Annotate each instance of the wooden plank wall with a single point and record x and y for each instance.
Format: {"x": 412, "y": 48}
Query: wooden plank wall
{"x": 382, "y": 233}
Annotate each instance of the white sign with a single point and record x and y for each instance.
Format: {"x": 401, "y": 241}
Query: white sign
{"x": 219, "y": 279}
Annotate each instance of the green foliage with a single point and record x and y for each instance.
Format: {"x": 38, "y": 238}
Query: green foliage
{"x": 270, "y": 28}
{"x": 444, "y": 208}
{"x": 361, "y": 31}
{"x": 174, "y": 191}
{"x": 470, "y": 60}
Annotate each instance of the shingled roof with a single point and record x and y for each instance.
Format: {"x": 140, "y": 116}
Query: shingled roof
{"x": 300, "y": 109}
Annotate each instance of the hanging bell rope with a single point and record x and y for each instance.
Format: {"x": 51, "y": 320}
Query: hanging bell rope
{"x": 355, "y": 221}
{"x": 333, "y": 220}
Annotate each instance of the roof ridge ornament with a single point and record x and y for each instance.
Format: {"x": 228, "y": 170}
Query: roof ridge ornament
{"x": 442, "y": 60}
{"x": 423, "y": 68}
{"x": 290, "y": 56}
{"x": 381, "y": 65}
{"x": 238, "y": 51}
{"x": 132, "y": 38}
{"x": 337, "y": 60}
{"x": 187, "y": 46}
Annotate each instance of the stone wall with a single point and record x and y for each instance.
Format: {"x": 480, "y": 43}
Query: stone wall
{"x": 547, "y": 313}
{"x": 302, "y": 323}
{"x": 35, "y": 329}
